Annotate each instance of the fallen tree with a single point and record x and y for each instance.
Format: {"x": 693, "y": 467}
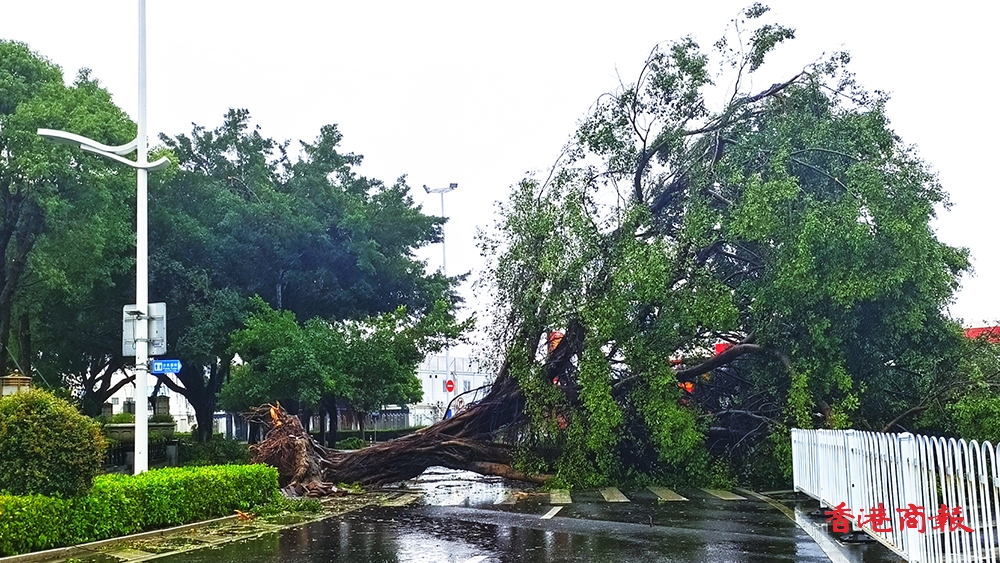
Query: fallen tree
{"x": 467, "y": 441}
{"x": 792, "y": 226}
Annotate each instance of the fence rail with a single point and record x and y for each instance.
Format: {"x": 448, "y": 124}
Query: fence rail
{"x": 950, "y": 487}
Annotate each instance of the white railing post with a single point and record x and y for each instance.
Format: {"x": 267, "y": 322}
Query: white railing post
{"x": 854, "y": 495}
{"x": 908, "y": 474}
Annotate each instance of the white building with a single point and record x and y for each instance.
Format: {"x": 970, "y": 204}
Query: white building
{"x": 124, "y": 401}
{"x": 466, "y": 377}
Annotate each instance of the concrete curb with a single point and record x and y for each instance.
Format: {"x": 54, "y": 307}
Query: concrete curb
{"x": 70, "y": 551}
{"x": 817, "y": 534}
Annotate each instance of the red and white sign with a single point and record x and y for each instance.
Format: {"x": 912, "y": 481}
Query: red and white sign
{"x": 449, "y": 386}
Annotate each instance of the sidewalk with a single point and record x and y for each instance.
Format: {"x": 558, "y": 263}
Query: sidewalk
{"x": 155, "y": 544}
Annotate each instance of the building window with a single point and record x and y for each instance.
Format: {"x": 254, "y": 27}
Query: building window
{"x": 467, "y": 385}
{"x": 114, "y": 400}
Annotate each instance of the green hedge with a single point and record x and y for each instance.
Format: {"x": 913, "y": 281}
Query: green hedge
{"x": 217, "y": 451}
{"x": 119, "y": 505}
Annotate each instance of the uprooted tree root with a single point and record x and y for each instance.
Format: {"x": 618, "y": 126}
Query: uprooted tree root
{"x": 465, "y": 441}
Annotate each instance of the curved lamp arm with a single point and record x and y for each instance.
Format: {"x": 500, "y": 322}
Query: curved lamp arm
{"x": 67, "y": 138}
{"x": 112, "y": 152}
{"x": 156, "y": 165}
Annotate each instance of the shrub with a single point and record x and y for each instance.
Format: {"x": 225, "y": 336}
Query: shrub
{"x": 118, "y": 505}
{"x": 46, "y": 446}
{"x": 161, "y": 418}
{"x": 217, "y": 451}
{"x": 352, "y": 443}
{"x": 34, "y": 522}
{"x": 120, "y": 418}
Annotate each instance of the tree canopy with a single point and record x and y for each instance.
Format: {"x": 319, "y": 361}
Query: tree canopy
{"x": 241, "y": 217}
{"x": 691, "y": 281}
{"x": 369, "y": 363}
{"x": 65, "y": 231}
{"x": 238, "y": 215}
{"x": 791, "y": 227}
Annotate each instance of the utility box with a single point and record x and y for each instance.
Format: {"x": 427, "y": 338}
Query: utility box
{"x": 156, "y": 316}
{"x": 161, "y": 405}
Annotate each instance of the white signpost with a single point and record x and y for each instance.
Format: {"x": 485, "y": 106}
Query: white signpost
{"x": 156, "y": 323}
{"x": 142, "y": 166}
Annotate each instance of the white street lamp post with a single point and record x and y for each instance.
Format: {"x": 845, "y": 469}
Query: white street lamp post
{"x": 142, "y": 166}
{"x": 444, "y": 271}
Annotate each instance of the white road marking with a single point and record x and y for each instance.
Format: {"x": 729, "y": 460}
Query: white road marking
{"x": 819, "y": 536}
{"x": 560, "y": 496}
{"x": 548, "y": 515}
{"x": 612, "y": 494}
{"x": 666, "y": 494}
{"x": 724, "y": 495}
{"x": 454, "y": 500}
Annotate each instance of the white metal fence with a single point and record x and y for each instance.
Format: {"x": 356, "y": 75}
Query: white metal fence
{"x": 950, "y": 487}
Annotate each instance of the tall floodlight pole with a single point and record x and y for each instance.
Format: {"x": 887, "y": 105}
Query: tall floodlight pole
{"x": 444, "y": 272}
{"x": 141, "y": 457}
{"x": 142, "y": 166}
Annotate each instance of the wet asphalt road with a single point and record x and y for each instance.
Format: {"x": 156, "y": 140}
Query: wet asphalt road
{"x": 463, "y": 520}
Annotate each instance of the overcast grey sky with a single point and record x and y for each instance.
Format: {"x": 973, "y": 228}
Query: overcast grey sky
{"x": 484, "y": 93}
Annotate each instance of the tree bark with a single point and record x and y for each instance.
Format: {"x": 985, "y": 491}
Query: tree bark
{"x": 467, "y": 441}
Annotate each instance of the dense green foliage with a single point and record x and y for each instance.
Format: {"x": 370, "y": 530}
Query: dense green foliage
{"x": 119, "y": 505}
{"x": 65, "y": 225}
{"x": 242, "y": 217}
{"x": 219, "y": 450}
{"x": 791, "y": 224}
{"x": 972, "y": 408}
{"x": 46, "y": 446}
{"x": 350, "y": 443}
{"x": 370, "y": 362}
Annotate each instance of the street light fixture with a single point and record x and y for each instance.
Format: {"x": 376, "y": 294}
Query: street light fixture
{"x": 142, "y": 166}
{"x": 444, "y": 272}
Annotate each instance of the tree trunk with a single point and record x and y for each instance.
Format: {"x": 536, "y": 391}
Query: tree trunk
{"x": 24, "y": 344}
{"x": 202, "y": 392}
{"x": 470, "y": 441}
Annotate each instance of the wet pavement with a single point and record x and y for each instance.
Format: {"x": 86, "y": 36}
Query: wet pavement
{"x": 466, "y": 518}
{"x": 458, "y": 517}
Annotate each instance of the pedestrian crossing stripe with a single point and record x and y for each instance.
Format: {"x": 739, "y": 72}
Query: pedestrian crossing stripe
{"x": 666, "y": 494}
{"x": 724, "y": 495}
{"x": 560, "y": 496}
{"x": 455, "y": 500}
{"x": 548, "y": 515}
{"x": 612, "y": 494}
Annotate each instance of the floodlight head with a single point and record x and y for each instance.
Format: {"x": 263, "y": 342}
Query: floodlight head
{"x": 450, "y": 187}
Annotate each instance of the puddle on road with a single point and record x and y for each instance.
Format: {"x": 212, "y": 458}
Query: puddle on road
{"x": 444, "y": 487}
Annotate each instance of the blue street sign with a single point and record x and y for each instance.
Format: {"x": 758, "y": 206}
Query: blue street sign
{"x": 166, "y": 366}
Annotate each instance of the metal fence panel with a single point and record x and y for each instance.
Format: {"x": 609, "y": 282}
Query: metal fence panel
{"x": 951, "y": 488}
